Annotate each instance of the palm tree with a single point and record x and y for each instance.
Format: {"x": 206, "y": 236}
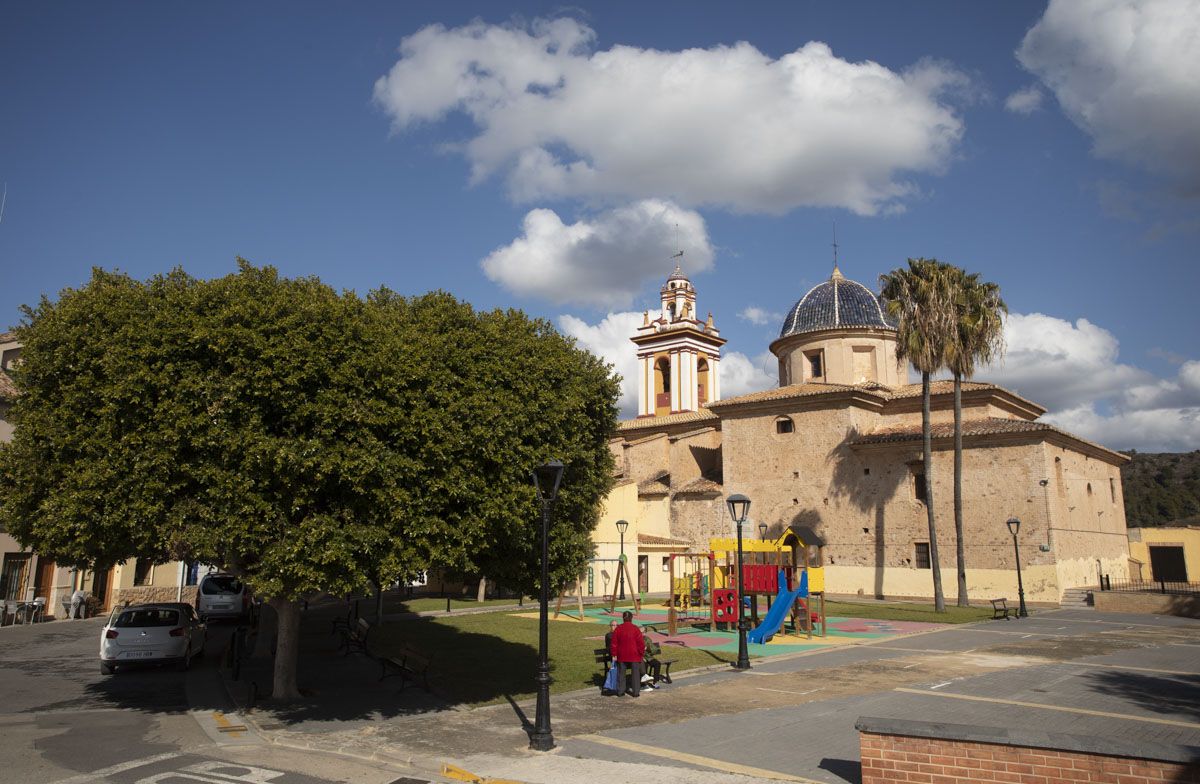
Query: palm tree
{"x": 979, "y": 338}
{"x": 920, "y": 299}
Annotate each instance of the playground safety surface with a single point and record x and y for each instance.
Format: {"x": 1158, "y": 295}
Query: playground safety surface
{"x": 694, "y": 632}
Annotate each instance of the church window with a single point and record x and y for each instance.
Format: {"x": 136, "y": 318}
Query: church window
{"x": 918, "y": 482}
{"x": 1112, "y": 489}
{"x": 816, "y": 363}
{"x": 1089, "y": 488}
{"x": 864, "y": 364}
{"x": 784, "y": 373}
{"x": 922, "y": 555}
{"x": 702, "y": 380}
{"x": 671, "y": 312}
{"x": 784, "y": 425}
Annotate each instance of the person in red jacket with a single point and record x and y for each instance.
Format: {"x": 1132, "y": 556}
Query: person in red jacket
{"x": 627, "y": 649}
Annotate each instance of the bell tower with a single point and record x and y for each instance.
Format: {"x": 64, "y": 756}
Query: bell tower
{"x": 678, "y": 355}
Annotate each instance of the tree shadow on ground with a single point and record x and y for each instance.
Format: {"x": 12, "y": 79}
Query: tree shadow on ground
{"x": 1175, "y": 695}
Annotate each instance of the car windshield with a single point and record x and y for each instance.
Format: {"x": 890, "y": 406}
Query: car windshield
{"x": 154, "y": 616}
{"x": 221, "y": 584}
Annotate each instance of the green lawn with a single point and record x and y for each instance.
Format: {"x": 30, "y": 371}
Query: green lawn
{"x": 907, "y": 612}
{"x": 427, "y": 603}
{"x": 487, "y": 657}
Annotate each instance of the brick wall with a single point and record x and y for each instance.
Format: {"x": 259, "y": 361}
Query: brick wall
{"x": 1160, "y": 604}
{"x": 148, "y": 593}
{"x": 888, "y": 758}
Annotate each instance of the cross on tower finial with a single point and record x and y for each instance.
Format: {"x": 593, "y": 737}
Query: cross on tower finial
{"x": 835, "y": 245}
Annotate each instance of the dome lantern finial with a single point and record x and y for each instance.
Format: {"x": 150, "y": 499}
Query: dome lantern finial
{"x": 837, "y": 273}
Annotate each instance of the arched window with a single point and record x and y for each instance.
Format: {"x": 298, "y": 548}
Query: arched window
{"x": 662, "y": 386}
{"x": 702, "y": 380}
{"x": 784, "y": 425}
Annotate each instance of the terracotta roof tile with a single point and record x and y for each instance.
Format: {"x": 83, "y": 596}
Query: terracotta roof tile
{"x": 656, "y": 485}
{"x": 703, "y": 415}
{"x": 784, "y": 393}
{"x": 701, "y": 485}
{"x": 8, "y": 390}
{"x": 8, "y": 337}
{"x": 975, "y": 427}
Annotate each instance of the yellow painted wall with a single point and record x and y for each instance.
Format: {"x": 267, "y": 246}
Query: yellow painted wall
{"x": 1140, "y": 540}
{"x": 1041, "y": 582}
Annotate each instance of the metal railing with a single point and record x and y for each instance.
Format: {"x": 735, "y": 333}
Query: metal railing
{"x": 1148, "y": 586}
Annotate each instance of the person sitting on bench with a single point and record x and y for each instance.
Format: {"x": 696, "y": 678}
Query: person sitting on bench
{"x": 651, "y": 666}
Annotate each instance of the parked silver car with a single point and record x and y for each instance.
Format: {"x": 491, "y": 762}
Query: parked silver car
{"x": 221, "y": 595}
{"x": 152, "y": 634}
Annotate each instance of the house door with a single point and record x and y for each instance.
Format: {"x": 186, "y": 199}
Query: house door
{"x": 100, "y": 586}
{"x": 43, "y": 583}
{"x": 643, "y": 573}
{"x": 1167, "y": 564}
{"x": 13, "y": 576}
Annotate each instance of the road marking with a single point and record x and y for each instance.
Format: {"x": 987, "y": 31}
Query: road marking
{"x": 785, "y": 691}
{"x": 918, "y": 650}
{"x": 1122, "y": 623}
{"x": 96, "y": 775}
{"x": 1127, "y": 667}
{"x": 940, "y": 685}
{"x": 1060, "y": 708}
{"x": 223, "y": 724}
{"x": 693, "y": 759}
{"x": 1025, "y": 634}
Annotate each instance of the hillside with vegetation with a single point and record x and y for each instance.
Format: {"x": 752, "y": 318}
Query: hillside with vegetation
{"x": 1162, "y": 488}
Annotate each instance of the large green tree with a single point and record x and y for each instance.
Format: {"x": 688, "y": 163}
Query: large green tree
{"x": 920, "y": 300}
{"x": 978, "y": 339}
{"x": 308, "y": 440}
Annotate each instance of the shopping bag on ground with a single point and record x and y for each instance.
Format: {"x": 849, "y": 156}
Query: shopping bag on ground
{"x": 612, "y": 679}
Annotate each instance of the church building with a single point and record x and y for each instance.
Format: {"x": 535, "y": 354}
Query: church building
{"x": 837, "y": 447}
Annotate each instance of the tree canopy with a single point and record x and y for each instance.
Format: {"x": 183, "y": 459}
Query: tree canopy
{"x": 306, "y": 439}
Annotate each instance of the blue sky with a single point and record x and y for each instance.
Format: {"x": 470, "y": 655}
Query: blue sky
{"x": 541, "y": 156}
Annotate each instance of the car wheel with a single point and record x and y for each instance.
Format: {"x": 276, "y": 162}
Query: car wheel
{"x": 107, "y": 669}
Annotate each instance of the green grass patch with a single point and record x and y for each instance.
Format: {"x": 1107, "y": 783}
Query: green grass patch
{"x": 884, "y": 611}
{"x": 484, "y": 658}
{"x": 427, "y": 603}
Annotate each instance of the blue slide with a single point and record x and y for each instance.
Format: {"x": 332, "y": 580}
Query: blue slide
{"x": 779, "y": 609}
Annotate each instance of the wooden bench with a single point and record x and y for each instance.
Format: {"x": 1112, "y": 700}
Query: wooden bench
{"x": 356, "y": 638}
{"x": 655, "y": 651}
{"x": 1000, "y": 609}
{"x": 343, "y": 623}
{"x": 408, "y": 663}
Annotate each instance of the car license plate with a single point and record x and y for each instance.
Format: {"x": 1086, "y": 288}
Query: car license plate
{"x": 220, "y": 606}
{"x": 137, "y": 654}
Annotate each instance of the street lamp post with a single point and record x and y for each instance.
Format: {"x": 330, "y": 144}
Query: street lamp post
{"x": 546, "y": 479}
{"x": 622, "y": 527}
{"x": 739, "y": 507}
{"x": 762, "y": 531}
{"x": 1014, "y": 525}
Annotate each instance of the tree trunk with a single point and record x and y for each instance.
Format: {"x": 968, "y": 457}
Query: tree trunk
{"x": 939, "y": 600}
{"x": 482, "y": 594}
{"x": 963, "y": 600}
{"x": 287, "y": 648}
{"x": 379, "y": 603}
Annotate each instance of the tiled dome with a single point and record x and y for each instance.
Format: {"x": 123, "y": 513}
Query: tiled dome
{"x": 836, "y": 303}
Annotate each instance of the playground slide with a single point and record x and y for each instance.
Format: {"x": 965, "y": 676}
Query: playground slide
{"x": 779, "y": 610}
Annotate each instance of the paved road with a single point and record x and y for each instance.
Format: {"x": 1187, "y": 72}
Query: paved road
{"x": 62, "y": 722}
{"x": 1083, "y": 673}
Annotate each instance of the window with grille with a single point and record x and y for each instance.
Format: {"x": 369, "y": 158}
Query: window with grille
{"x": 922, "y": 553}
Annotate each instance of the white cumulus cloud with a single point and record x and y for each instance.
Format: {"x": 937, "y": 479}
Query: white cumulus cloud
{"x": 726, "y": 126}
{"x": 1125, "y": 72}
{"x": 1024, "y": 101}
{"x": 1073, "y": 369}
{"x": 610, "y": 340}
{"x": 603, "y": 260}
{"x": 758, "y": 316}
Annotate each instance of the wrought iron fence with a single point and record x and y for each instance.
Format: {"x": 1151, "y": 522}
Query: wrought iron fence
{"x": 1149, "y": 586}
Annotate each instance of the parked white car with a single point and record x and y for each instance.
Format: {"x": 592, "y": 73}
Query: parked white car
{"x": 152, "y": 634}
{"x": 221, "y": 595}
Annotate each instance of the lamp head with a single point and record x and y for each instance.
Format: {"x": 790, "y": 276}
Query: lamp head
{"x": 546, "y": 479}
{"x": 622, "y": 526}
{"x": 762, "y": 530}
{"x": 739, "y": 507}
{"x": 1014, "y": 525}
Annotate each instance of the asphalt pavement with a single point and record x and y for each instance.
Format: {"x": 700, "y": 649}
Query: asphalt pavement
{"x": 63, "y": 722}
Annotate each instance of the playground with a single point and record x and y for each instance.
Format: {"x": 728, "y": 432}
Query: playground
{"x": 787, "y": 573}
